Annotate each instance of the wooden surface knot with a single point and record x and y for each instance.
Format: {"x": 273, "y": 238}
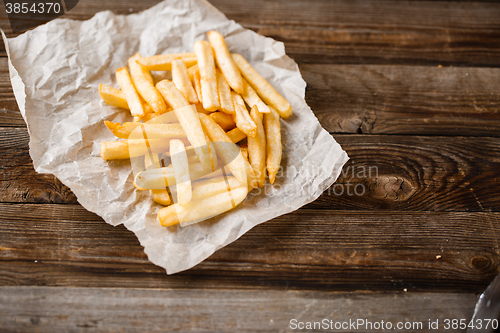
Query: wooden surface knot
{"x": 390, "y": 187}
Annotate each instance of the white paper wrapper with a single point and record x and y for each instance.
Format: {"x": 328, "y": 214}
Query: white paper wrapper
{"x": 55, "y": 71}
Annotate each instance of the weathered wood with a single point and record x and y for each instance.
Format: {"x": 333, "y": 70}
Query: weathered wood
{"x": 345, "y": 31}
{"x": 384, "y": 32}
{"x": 419, "y": 100}
{"x": 417, "y": 173}
{"x": 378, "y": 99}
{"x": 43, "y": 309}
{"x": 18, "y": 180}
{"x": 64, "y": 245}
{"x": 385, "y": 172}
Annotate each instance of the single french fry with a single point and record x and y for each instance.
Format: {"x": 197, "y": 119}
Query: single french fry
{"x": 172, "y": 95}
{"x": 200, "y": 109}
{"x": 194, "y": 75}
{"x": 257, "y": 148}
{"x": 180, "y": 77}
{"x": 252, "y": 179}
{"x": 225, "y": 62}
{"x": 131, "y": 95}
{"x": 113, "y": 96}
{"x": 273, "y": 140}
{"x": 208, "y": 81}
{"x": 243, "y": 120}
{"x": 162, "y": 178}
{"x": 201, "y": 209}
{"x": 225, "y": 99}
{"x": 224, "y": 120}
{"x": 236, "y": 135}
{"x": 125, "y": 149}
{"x": 251, "y": 97}
{"x": 212, "y": 186}
{"x": 191, "y": 71}
{"x": 163, "y": 62}
{"x": 143, "y": 82}
{"x": 262, "y": 87}
{"x": 181, "y": 171}
{"x": 114, "y": 150}
{"x": 161, "y": 197}
{"x": 226, "y": 149}
{"x": 151, "y": 130}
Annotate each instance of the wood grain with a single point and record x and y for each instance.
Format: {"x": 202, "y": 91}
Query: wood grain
{"x": 18, "y": 180}
{"x": 418, "y": 100}
{"x": 64, "y": 245}
{"x": 341, "y": 31}
{"x": 138, "y": 310}
{"x": 383, "y": 32}
{"x": 385, "y": 172}
{"x": 417, "y": 173}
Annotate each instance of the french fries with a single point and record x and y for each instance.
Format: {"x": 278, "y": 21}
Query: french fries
{"x": 113, "y": 96}
{"x": 180, "y": 77}
{"x": 161, "y": 197}
{"x": 131, "y": 95}
{"x": 262, "y": 87}
{"x": 162, "y": 178}
{"x": 125, "y": 149}
{"x": 236, "y": 135}
{"x": 252, "y": 99}
{"x": 210, "y": 123}
{"x": 273, "y": 143}
{"x": 190, "y": 122}
{"x": 257, "y": 148}
{"x": 167, "y": 131}
{"x": 163, "y": 62}
{"x": 243, "y": 120}
{"x": 208, "y": 78}
{"x": 226, "y": 149}
{"x": 209, "y": 203}
{"x": 225, "y": 62}
{"x": 143, "y": 82}
{"x": 181, "y": 171}
{"x": 194, "y": 75}
{"x": 172, "y": 95}
{"x": 225, "y": 99}
{"x": 224, "y": 120}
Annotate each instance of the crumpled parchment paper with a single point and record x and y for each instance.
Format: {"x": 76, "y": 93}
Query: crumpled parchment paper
{"x": 55, "y": 71}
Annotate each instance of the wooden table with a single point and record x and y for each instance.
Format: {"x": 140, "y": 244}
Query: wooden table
{"x": 410, "y": 89}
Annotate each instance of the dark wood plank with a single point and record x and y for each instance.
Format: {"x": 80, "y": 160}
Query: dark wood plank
{"x": 378, "y": 99}
{"x": 342, "y": 31}
{"x": 385, "y": 172}
{"x": 18, "y": 180}
{"x": 9, "y": 111}
{"x": 419, "y": 100}
{"x": 416, "y": 173}
{"x": 383, "y": 32}
{"x": 118, "y": 310}
{"x": 64, "y": 245}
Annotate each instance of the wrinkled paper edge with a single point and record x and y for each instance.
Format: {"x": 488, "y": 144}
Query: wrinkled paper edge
{"x": 145, "y": 238}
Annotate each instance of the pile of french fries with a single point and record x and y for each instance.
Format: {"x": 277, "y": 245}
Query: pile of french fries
{"x": 202, "y": 149}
